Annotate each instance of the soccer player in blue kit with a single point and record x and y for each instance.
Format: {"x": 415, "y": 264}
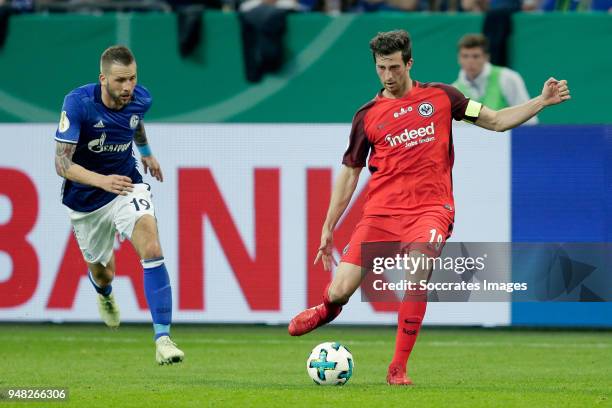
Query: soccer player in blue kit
{"x": 104, "y": 191}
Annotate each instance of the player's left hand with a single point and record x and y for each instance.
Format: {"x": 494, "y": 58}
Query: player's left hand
{"x": 151, "y": 165}
{"x": 325, "y": 253}
{"x": 555, "y": 92}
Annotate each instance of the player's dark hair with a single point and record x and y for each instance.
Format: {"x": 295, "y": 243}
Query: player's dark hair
{"x": 390, "y": 42}
{"x": 117, "y": 54}
{"x": 474, "y": 41}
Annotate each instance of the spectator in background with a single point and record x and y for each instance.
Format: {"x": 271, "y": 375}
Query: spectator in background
{"x": 494, "y": 86}
{"x": 388, "y": 5}
{"x": 474, "y": 6}
{"x": 263, "y": 24}
{"x": 8, "y": 7}
{"x": 404, "y": 5}
{"x": 488, "y": 5}
{"x": 441, "y": 5}
{"x": 576, "y": 5}
{"x": 184, "y": 4}
{"x": 19, "y": 6}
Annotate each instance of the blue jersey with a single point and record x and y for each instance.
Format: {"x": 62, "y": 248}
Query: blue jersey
{"x": 103, "y": 139}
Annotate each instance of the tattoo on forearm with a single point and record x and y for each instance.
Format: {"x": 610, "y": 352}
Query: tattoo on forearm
{"x": 140, "y": 136}
{"x": 63, "y": 157}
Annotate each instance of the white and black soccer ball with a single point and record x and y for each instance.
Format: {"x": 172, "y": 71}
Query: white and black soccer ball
{"x": 330, "y": 364}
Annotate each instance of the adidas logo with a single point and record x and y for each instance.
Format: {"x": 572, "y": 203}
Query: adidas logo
{"x": 100, "y": 124}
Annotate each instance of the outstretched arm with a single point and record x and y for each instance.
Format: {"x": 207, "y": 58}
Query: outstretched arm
{"x": 149, "y": 162}
{"x": 66, "y": 168}
{"x": 341, "y": 196}
{"x": 553, "y": 93}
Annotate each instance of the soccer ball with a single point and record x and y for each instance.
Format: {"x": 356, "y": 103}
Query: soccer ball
{"x": 330, "y": 364}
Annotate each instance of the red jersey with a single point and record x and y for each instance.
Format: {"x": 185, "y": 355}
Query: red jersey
{"x": 410, "y": 144}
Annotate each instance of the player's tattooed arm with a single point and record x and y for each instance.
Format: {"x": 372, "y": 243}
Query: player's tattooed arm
{"x": 66, "y": 168}
{"x": 140, "y": 136}
{"x": 63, "y": 157}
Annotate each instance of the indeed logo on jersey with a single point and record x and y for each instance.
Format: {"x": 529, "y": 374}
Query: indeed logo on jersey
{"x": 413, "y": 137}
{"x": 98, "y": 146}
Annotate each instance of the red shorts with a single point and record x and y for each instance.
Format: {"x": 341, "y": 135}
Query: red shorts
{"x": 427, "y": 233}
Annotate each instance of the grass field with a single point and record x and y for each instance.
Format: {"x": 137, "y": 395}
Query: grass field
{"x": 245, "y": 366}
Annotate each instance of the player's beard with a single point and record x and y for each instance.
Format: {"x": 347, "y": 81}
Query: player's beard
{"x": 116, "y": 96}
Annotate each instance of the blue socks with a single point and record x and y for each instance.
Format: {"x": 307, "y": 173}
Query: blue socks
{"x": 157, "y": 291}
{"x": 159, "y": 295}
{"x": 104, "y": 291}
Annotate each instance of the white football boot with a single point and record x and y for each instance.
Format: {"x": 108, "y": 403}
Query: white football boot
{"x": 166, "y": 351}
{"x": 109, "y": 311}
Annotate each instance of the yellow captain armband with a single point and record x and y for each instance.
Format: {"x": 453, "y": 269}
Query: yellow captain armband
{"x": 472, "y": 111}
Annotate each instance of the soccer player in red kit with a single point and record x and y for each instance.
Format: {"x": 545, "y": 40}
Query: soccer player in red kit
{"x": 407, "y": 132}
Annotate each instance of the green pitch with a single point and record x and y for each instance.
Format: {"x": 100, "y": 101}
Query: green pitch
{"x": 245, "y": 366}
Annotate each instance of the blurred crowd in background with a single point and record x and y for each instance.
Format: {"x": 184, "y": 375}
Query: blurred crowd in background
{"x": 329, "y": 6}
{"x": 264, "y": 25}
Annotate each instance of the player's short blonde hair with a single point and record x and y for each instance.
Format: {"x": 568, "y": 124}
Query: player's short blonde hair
{"x": 117, "y": 54}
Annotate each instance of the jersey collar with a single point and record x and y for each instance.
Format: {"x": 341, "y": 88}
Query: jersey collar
{"x": 415, "y": 84}
{"x": 98, "y": 94}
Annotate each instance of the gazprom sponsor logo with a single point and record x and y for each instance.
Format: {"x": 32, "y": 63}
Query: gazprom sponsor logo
{"x": 413, "y": 137}
{"x": 98, "y": 146}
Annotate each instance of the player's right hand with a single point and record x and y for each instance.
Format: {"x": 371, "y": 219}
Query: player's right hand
{"x": 120, "y": 185}
{"x": 326, "y": 251}
{"x": 555, "y": 92}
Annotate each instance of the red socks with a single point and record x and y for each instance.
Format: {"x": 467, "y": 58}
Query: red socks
{"x": 409, "y": 319}
{"x": 331, "y": 310}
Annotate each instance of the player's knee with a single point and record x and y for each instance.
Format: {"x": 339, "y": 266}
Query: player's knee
{"x": 102, "y": 274}
{"x": 104, "y": 277}
{"x": 152, "y": 250}
{"x": 104, "y": 281}
{"x": 421, "y": 274}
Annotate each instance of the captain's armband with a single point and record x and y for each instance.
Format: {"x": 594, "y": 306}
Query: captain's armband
{"x": 472, "y": 111}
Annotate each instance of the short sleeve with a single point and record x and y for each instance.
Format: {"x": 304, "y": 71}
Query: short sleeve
{"x": 148, "y": 105}
{"x": 462, "y": 108}
{"x": 72, "y": 115}
{"x": 359, "y": 146}
{"x": 144, "y": 96}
